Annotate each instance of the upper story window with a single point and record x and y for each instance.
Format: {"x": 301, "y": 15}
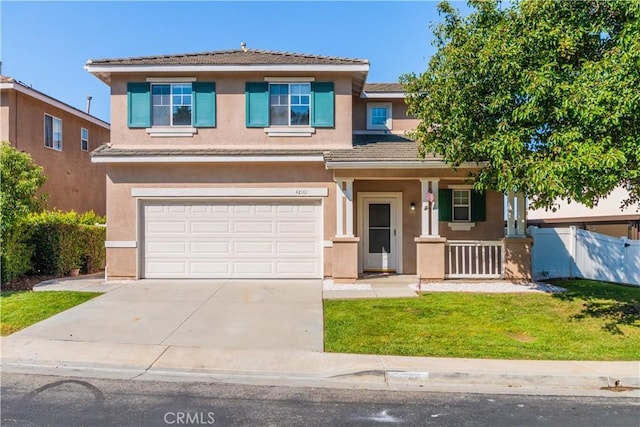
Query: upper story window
{"x": 52, "y": 132}
{"x": 290, "y": 104}
{"x": 379, "y": 116}
{"x": 289, "y": 108}
{"x": 171, "y": 108}
{"x": 171, "y": 104}
{"x": 84, "y": 139}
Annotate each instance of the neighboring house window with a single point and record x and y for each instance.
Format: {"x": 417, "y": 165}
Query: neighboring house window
{"x": 52, "y": 132}
{"x": 379, "y": 116}
{"x": 171, "y": 104}
{"x": 84, "y": 139}
{"x": 178, "y": 105}
{"x": 461, "y": 205}
{"x": 290, "y": 104}
{"x": 301, "y": 104}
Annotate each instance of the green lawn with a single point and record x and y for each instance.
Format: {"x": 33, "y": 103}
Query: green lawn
{"x": 591, "y": 321}
{"x": 21, "y": 309}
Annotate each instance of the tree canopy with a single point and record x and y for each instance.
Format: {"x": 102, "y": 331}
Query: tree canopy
{"x": 543, "y": 94}
{"x": 20, "y": 180}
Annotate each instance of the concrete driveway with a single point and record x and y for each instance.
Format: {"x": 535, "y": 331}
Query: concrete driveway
{"x": 244, "y": 314}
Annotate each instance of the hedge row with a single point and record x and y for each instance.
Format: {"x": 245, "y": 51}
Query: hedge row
{"x": 54, "y": 243}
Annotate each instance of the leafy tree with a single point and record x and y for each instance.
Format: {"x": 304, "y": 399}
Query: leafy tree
{"x": 20, "y": 180}
{"x": 545, "y": 93}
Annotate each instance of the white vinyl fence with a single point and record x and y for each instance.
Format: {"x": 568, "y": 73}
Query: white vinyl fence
{"x": 571, "y": 252}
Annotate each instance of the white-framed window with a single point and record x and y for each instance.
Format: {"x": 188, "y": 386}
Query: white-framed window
{"x": 171, "y": 104}
{"x": 289, "y": 104}
{"x": 379, "y": 116}
{"x": 52, "y": 132}
{"x": 461, "y": 205}
{"x": 84, "y": 139}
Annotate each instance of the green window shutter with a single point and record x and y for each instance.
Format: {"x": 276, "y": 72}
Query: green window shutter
{"x": 138, "y": 105}
{"x": 445, "y": 205}
{"x": 478, "y": 206}
{"x": 204, "y": 105}
{"x": 322, "y": 109}
{"x": 257, "y": 104}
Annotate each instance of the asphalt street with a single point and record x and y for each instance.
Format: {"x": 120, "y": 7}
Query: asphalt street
{"x": 38, "y": 400}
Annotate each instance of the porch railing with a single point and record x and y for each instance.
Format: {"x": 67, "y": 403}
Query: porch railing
{"x": 474, "y": 259}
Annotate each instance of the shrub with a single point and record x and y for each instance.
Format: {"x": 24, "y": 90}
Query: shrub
{"x": 63, "y": 241}
{"x": 15, "y": 258}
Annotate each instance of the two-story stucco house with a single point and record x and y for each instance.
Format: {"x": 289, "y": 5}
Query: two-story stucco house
{"x": 258, "y": 164}
{"x": 59, "y": 138}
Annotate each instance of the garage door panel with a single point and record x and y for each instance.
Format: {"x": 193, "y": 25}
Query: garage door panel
{"x": 214, "y": 227}
{"x": 259, "y": 239}
{"x": 208, "y": 248}
{"x": 248, "y": 226}
{"x": 207, "y": 267}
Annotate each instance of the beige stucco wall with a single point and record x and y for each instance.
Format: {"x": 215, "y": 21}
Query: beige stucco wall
{"x": 231, "y": 130}
{"x": 73, "y": 181}
{"x": 400, "y": 121}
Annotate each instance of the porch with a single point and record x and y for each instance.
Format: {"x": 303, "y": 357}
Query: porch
{"x": 387, "y": 232}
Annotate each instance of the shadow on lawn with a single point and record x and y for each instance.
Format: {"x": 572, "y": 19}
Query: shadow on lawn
{"x": 615, "y": 304}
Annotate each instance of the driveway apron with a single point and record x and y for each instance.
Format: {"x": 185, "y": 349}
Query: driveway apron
{"x": 245, "y": 314}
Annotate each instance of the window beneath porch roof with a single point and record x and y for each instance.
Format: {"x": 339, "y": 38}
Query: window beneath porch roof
{"x": 461, "y": 205}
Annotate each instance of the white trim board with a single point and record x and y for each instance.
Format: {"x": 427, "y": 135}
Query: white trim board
{"x": 294, "y": 192}
{"x": 206, "y": 159}
{"x": 120, "y": 244}
{"x": 106, "y": 68}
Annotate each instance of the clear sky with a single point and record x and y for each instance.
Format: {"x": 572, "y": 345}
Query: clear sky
{"x": 46, "y": 44}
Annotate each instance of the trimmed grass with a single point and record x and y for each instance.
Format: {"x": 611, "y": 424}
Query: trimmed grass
{"x": 21, "y": 309}
{"x": 591, "y": 321}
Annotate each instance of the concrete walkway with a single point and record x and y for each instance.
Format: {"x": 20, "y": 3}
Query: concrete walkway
{"x": 52, "y": 347}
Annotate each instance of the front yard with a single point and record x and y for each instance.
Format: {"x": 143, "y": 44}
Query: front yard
{"x": 21, "y": 309}
{"x": 591, "y": 321}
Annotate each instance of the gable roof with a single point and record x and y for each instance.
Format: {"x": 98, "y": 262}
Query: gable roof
{"x": 232, "y": 57}
{"x": 238, "y": 60}
{"x": 383, "y": 87}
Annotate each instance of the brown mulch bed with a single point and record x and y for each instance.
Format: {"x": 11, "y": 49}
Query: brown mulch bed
{"x": 25, "y": 283}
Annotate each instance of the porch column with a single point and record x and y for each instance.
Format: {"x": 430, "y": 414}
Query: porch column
{"x": 521, "y": 221}
{"x": 349, "y": 206}
{"x": 344, "y": 208}
{"x": 429, "y": 214}
{"x": 516, "y": 215}
{"x": 344, "y": 262}
{"x": 339, "y": 211}
{"x": 511, "y": 229}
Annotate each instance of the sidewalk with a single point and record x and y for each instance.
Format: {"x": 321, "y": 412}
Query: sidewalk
{"x": 160, "y": 362}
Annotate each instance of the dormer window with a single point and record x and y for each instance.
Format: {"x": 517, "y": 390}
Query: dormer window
{"x": 290, "y": 104}
{"x": 379, "y": 116}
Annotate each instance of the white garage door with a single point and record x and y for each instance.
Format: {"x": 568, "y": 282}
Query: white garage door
{"x": 239, "y": 239}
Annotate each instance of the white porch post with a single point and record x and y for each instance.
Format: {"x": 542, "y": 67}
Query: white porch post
{"x": 521, "y": 216}
{"x": 510, "y": 214}
{"x": 349, "y": 206}
{"x": 429, "y": 226}
{"x": 344, "y": 207}
{"x": 435, "y": 232}
{"x": 339, "y": 205}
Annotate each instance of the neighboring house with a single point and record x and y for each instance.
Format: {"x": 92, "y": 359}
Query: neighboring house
{"x": 608, "y": 217}
{"x": 258, "y": 164}
{"x": 59, "y": 138}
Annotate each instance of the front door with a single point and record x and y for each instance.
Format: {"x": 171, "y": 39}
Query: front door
{"x": 380, "y": 234}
